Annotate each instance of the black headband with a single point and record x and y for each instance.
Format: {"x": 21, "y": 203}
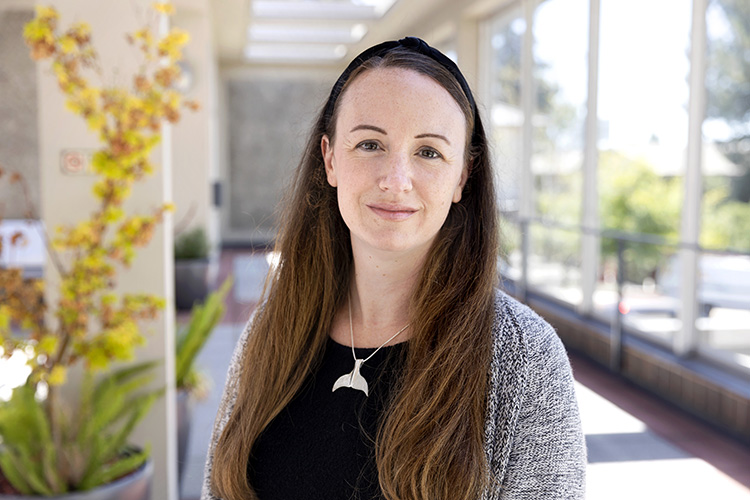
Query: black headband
{"x": 411, "y": 43}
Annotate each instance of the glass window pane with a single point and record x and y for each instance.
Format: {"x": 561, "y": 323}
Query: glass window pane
{"x": 560, "y": 82}
{"x": 509, "y": 261}
{"x": 724, "y": 279}
{"x": 724, "y": 306}
{"x": 505, "y": 113}
{"x": 560, "y": 79}
{"x": 643, "y": 124}
{"x": 555, "y": 262}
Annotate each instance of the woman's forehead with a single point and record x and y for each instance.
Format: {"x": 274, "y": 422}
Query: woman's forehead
{"x": 402, "y": 81}
{"x": 389, "y": 93}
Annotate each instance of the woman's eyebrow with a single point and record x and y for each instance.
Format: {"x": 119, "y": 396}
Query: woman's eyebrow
{"x": 369, "y": 127}
{"x": 381, "y": 131}
{"x": 437, "y": 136}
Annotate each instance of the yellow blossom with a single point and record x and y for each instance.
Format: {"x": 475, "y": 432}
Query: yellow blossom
{"x": 73, "y": 105}
{"x": 4, "y": 318}
{"x": 48, "y": 344}
{"x": 57, "y": 376}
{"x": 97, "y": 358}
{"x": 96, "y": 121}
{"x": 45, "y": 12}
{"x": 171, "y": 44}
{"x": 163, "y": 7}
{"x": 67, "y": 44}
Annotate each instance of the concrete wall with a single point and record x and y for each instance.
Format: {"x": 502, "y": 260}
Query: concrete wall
{"x": 18, "y": 109}
{"x": 268, "y": 116}
{"x": 195, "y": 140}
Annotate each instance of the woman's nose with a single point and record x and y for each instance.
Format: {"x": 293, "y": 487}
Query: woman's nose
{"x": 397, "y": 175}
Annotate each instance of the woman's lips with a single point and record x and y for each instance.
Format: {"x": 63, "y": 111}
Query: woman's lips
{"x": 392, "y": 212}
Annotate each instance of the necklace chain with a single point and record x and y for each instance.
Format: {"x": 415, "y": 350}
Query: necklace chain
{"x": 351, "y": 334}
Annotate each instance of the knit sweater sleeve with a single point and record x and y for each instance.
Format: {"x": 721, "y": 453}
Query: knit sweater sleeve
{"x": 226, "y": 405}
{"x": 547, "y": 455}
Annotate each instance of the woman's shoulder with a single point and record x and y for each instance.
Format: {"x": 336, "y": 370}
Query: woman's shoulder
{"x": 515, "y": 319}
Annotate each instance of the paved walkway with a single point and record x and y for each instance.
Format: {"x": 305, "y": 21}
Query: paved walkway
{"x": 639, "y": 447}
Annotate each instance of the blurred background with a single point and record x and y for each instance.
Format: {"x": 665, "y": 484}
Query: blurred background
{"x": 621, "y": 138}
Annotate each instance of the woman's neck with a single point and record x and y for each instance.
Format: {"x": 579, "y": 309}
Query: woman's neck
{"x": 380, "y": 293}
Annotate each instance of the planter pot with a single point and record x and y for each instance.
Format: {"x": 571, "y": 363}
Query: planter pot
{"x": 184, "y": 417}
{"x": 135, "y": 486}
{"x": 190, "y": 282}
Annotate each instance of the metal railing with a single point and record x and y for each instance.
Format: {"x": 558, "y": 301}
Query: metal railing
{"x": 623, "y": 240}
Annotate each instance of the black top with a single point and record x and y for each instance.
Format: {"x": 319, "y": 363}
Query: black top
{"x": 321, "y": 446}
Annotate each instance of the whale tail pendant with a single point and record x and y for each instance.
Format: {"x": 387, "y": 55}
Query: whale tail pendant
{"x": 353, "y": 379}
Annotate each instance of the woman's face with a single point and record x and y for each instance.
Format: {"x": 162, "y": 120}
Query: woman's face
{"x": 397, "y": 159}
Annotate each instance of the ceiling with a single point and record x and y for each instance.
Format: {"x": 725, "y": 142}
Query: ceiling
{"x": 318, "y": 32}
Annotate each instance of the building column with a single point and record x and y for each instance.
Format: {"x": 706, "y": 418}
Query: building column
{"x": 686, "y": 340}
{"x": 590, "y": 240}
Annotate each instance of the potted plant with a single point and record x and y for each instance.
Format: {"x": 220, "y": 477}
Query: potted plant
{"x": 190, "y": 268}
{"x": 51, "y": 445}
{"x": 190, "y": 382}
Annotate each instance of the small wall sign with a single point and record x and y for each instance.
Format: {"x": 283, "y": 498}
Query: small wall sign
{"x": 75, "y": 161}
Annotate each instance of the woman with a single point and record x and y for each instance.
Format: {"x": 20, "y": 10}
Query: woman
{"x": 382, "y": 362}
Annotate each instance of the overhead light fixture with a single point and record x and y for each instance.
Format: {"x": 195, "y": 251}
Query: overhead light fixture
{"x": 290, "y": 9}
{"x": 297, "y": 52}
{"x": 274, "y": 33}
{"x": 380, "y": 6}
{"x": 358, "y": 32}
{"x": 340, "y": 51}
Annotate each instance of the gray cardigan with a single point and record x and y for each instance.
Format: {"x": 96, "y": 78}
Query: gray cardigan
{"x": 534, "y": 441}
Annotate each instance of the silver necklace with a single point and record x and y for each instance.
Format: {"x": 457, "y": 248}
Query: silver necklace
{"x": 354, "y": 379}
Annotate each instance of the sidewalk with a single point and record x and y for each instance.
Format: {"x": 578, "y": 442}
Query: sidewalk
{"x": 638, "y": 446}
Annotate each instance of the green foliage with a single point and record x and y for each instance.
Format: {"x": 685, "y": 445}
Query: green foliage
{"x": 634, "y": 199}
{"x": 191, "y": 245}
{"x": 89, "y": 449}
{"x": 203, "y": 319}
{"x": 725, "y": 222}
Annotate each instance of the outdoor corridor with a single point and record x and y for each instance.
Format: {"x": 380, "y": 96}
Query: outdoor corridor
{"x": 638, "y": 446}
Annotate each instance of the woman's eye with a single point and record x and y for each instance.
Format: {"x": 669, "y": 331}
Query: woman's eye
{"x": 429, "y": 153}
{"x": 368, "y": 145}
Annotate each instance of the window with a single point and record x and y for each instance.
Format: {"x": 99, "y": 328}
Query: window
{"x": 557, "y": 144}
{"x": 643, "y": 97}
{"x": 724, "y": 277}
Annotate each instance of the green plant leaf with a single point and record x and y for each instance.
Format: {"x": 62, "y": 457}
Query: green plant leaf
{"x": 109, "y": 411}
{"x": 32, "y": 472}
{"x": 138, "y": 409}
{"x": 121, "y": 467}
{"x": 191, "y": 245}
{"x": 49, "y": 468}
{"x": 203, "y": 320}
{"x": 108, "y": 449}
{"x": 114, "y": 399}
{"x": 105, "y": 385}
{"x": 9, "y": 466}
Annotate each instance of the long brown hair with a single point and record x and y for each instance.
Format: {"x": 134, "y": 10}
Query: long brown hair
{"x": 430, "y": 444}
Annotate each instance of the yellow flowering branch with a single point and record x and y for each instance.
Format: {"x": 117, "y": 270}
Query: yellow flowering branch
{"x": 94, "y": 324}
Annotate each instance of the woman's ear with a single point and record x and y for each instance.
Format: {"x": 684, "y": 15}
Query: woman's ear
{"x": 327, "y": 149}
{"x": 461, "y": 183}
